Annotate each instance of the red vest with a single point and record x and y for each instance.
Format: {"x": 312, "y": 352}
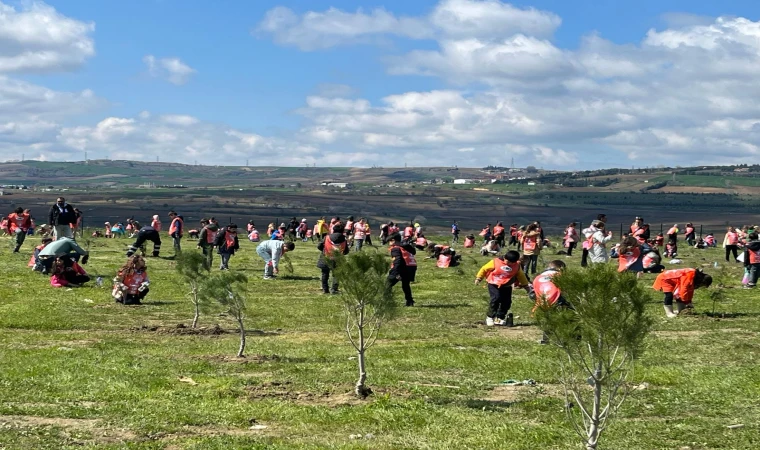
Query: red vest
{"x": 545, "y": 289}
{"x": 444, "y": 261}
{"x": 421, "y": 242}
{"x": 627, "y": 259}
{"x": 497, "y": 230}
{"x": 210, "y": 236}
{"x": 409, "y": 259}
{"x": 408, "y": 232}
{"x": 173, "y": 227}
{"x": 469, "y": 243}
{"x": 530, "y": 243}
{"x": 754, "y": 256}
{"x": 331, "y": 248}
{"x": 503, "y": 272}
{"x": 733, "y": 238}
{"x": 133, "y": 282}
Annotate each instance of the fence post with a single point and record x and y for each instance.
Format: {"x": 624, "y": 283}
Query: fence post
{"x": 700, "y": 231}
{"x": 661, "y": 228}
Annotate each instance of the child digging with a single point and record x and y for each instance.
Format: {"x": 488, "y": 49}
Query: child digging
{"x": 130, "y": 286}
{"x": 679, "y": 284}
{"x": 501, "y": 274}
{"x": 546, "y": 294}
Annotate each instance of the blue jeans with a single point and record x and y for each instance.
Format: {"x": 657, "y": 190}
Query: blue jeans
{"x": 267, "y": 257}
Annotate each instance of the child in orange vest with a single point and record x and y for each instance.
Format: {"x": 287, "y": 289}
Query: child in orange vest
{"x": 679, "y": 284}
{"x": 130, "y": 286}
{"x": 752, "y": 260}
{"x": 546, "y": 294}
{"x": 501, "y": 274}
{"x": 403, "y": 267}
{"x": 226, "y": 243}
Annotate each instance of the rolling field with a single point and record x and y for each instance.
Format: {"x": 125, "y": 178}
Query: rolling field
{"x": 80, "y": 371}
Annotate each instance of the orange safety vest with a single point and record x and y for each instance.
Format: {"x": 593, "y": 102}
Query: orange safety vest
{"x": 546, "y": 291}
{"x": 530, "y": 243}
{"x": 409, "y": 259}
{"x": 733, "y": 238}
{"x": 484, "y": 231}
{"x": 133, "y": 282}
{"x": 627, "y": 259}
{"x": 210, "y": 235}
{"x": 678, "y": 281}
{"x": 408, "y": 232}
{"x": 444, "y": 261}
{"x": 469, "y": 243}
{"x": 672, "y": 230}
{"x": 754, "y": 256}
{"x": 650, "y": 260}
{"x": 421, "y": 242}
{"x": 497, "y": 230}
{"x": 229, "y": 239}
{"x": 689, "y": 230}
{"x": 173, "y": 227}
{"x": 503, "y": 272}
{"x": 331, "y": 247}
{"x": 349, "y": 227}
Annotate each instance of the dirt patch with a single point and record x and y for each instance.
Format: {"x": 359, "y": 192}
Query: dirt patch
{"x": 70, "y": 427}
{"x": 244, "y": 360}
{"x": 283, "y": 390}
{"x": 180, "y": 328}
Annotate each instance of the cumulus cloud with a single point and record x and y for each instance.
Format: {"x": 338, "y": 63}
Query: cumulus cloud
{"x": 320, "y": 30}
{"x": 36, "y": 38}
{"x": 171, "y": 69}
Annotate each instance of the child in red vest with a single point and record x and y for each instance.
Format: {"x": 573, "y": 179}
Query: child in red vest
{"x": 130, "y": 286}
{"x": 546, "y": 294}
{"x": 501, "y": 274}
{"x": 679, "y": 284}
{"x": 403, "y": 267}
{"x": 752, "y": 260}
{"x": 226, "y": 243}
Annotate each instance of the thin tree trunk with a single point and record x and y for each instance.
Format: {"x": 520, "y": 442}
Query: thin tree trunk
{"x": 593, "y": 430}
{"x": 197, "y": 308}
{"x": 361, "y": 388}
{"x": 241, "y": 350}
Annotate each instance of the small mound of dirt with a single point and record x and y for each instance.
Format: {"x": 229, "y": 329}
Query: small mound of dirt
{"x": 283, "y": 390}
{"x": 216, "y": 330}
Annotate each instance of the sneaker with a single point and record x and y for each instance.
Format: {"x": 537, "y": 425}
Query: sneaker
{"x": 499, "y": 322}
{"x": 510, "y": 322}
{"x": 489, "y": 321}
{"x": 267, "y": 277}
{"x": 409, "y": 303}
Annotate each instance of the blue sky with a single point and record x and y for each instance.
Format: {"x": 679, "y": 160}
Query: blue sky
{"x": 558, "y": 84}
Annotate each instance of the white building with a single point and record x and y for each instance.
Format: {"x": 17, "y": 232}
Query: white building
{"x": 462, "y": 181}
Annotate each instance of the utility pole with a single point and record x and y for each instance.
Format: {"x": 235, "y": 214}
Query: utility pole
{"x": 85, "y": 156}
{"x": 22, "y": 157}
{"x": 246, "y": 163}
{"x": 156, "y": 158}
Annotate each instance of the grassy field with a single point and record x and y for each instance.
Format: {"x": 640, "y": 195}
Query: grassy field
{"x": 79, "y": 371}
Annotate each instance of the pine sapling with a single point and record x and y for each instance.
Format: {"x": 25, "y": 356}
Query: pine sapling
{"x": 599, "y": 337}
{"x": 229, "y": 290}
{"x": 368, "y": 303}
{"x": 193, "y": 269}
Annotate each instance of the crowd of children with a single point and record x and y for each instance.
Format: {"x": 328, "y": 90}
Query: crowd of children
{"x": 514, "y": 251}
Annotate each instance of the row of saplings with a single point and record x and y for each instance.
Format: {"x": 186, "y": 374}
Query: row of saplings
{"x": 596, "y": 339}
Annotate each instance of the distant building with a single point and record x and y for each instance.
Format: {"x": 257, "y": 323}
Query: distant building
{"x": 463, "y": 181}
{"x": 531, "y": 183}
{"x": 335, "y": 184}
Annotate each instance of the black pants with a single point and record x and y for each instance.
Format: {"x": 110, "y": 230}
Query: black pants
{"x": 570, "y": 247}
{"x": 325, "y": 281}
{"x": 531, "y": 263}
{"x": 75, "y": 278}
{"x": 584, "y": 258}
{"x": 134, "y": 299}
{"x": 501, "y": 300}
{"x": 512, "y": 240}
{"x": 368, "y": 240}
{"x": 405, "y": 286}
{"x": 500, "y": 240}
{"x": 732, "y": 249}
{"x": 208, "y": 252}
{"x": 142, "y": 237}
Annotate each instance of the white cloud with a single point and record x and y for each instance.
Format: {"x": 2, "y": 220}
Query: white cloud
{"x": 178, "y": 119}
{"x": 172, "y": 69}
{"x": 37, "y": 38}
{"x": 320, "y": 30}
{"x": 491, "y": 19}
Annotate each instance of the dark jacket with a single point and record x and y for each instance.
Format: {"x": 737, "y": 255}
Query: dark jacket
{"x": 753, "y": 246}
{"x": 62, "y": 216}
{"x": 398, "y": 265}
{"x": 337, "y": 239}
{"x": 221, "y": 243}
{"x": 203, "y": 236}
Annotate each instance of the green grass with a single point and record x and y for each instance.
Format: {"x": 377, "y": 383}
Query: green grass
{"x": 709, "y": 181}
{"x": 79, "y": 371}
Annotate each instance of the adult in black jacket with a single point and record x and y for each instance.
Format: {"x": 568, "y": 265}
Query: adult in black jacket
{"x": 403, "y": 266}
{"x": 335, "y": 241}
{"x": 61, "y": 217}
{"x": 146, "y": 234}
{"x": 293, "y": 228}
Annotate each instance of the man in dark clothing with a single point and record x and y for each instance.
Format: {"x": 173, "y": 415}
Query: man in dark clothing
{"x": 332, "y": 243}
{"x": 227, "y": 243}
{"x": 403, "y": 267}
{"x": 61, "y": 217}
{"x": 206, "y": 240}
{"x": 146, "y": 234}
{"x": 293, "y": 228}
{"x": 752, "y": 260}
